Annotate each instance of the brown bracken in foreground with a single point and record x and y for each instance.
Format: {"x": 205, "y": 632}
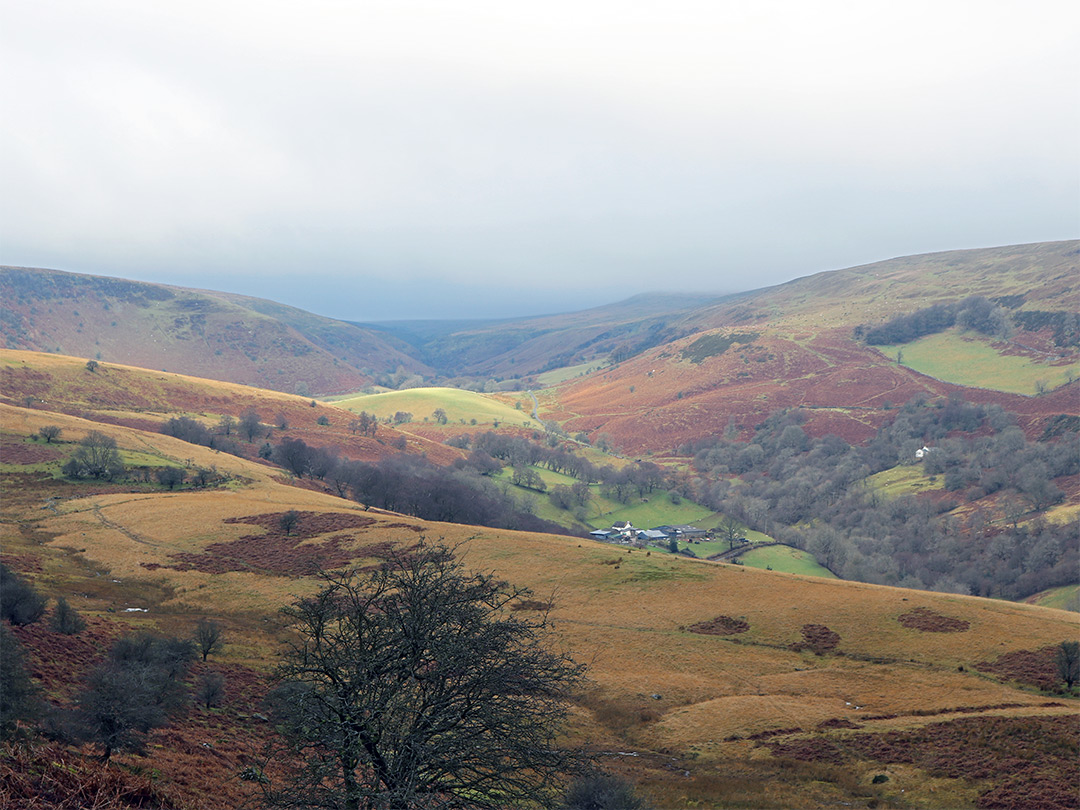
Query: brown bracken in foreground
{"x": 928, "y": 621}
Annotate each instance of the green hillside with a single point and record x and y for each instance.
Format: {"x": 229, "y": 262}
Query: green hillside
{"x": 977, "y": 361}
{"x": 422, "y": 403}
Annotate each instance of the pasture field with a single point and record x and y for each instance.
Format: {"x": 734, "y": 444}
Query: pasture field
{"x": 903, "y": 480}
{"x": 787, "y": 560}
{"x": 658, "y": 510}
{"x": 560, "y": 375}
{"x": 1067, "y": 597}
{"x": 458, "y": 404}
{"x": 966, "y": 359}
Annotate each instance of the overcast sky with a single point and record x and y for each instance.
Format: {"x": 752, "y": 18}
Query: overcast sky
{"x": 370, "y": 160}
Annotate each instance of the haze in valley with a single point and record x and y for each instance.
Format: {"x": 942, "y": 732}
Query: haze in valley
{"x": 415, "y": 159}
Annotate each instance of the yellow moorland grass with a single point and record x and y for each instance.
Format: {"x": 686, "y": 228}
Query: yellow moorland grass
{"x": 656, "y": 686}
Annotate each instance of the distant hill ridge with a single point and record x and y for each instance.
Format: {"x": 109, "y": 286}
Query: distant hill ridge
{"x": 254, "y": 341}
{"x": 208, "y": 334}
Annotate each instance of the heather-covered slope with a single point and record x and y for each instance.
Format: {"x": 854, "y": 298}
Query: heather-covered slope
{"x": 214, "y": 335}
{"x": 794, "y": 346}
{"x": 139, "y": 398}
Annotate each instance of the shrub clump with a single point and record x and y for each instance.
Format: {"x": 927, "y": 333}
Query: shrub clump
{"x": 20, "y": 604}
{"x": 817, "y": 638}
{"x": 720, "y": 626}
{"x": 929, "y": 621}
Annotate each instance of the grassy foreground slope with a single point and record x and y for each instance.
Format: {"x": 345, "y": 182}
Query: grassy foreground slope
{"x": 781, "y": 711}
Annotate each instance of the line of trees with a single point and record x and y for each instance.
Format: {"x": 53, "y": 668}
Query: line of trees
{"x": 976, "y": 313}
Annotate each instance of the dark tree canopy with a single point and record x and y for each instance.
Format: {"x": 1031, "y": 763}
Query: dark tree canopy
{"x": 50, "y": 432}
{"x": 66, "y": 620}
{"x": 20, "y": 603}
{"x": 414, "y": 686}
{"x": 18, "y": 696}
{"x": 139, "y": 688}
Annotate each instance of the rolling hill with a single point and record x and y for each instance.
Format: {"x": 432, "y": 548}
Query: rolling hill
{"x": 215, "y": 335}
{"x": 793, "y": 346}
{"x": 709, "y": 684}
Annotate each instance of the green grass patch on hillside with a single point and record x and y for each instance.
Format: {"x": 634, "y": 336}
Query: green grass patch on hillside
{"x": 658, "y": 511}
{"x": 902, "y": 480}
{"x": 1067, "y": 597}
{"x": 708, "y": 346}
{"x": 422, "y": 403}
{"x": 558, "y": 375}
{"x": 787, "y": 560}
{"x": 967, "y": 359}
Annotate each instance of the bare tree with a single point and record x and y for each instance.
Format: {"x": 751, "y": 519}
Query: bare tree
{"x": 50, "y": 432}
{"x": 210, "y": 690}
{"x": 208, "y": 637}
{"x": 731, "y": 530}
{"x": 66, "y": 620}
{"x": 415, "y": 686}
{"x": 288, "y": 521}
{"x": 96, "y": 457}
{"x": 1067, "y": 659}
{"x": 20, "y": 603}
{"x": 19, "y": 697}
{"x": 139, "y": 688}
{"x": 250, "y": 426}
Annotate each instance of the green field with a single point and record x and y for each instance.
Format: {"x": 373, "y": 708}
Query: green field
{"x": 966, "y": 359}
{"x": 558, "y": 375}
{"x": 422, "y": 403}
{"x": 658, "y": 511}
{"x": 1067, "y": 597}
{"x": 902, "y": 480}
{"x": 787, "y": 560}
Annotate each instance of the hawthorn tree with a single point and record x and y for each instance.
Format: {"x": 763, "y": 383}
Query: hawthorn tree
{"x": 138, "y": 688}
{"x": 20, "y": 603}
{"x": 250, "y": 426}
{"x": 414, "y": 685}
{"x": 95, "y": 457}
{"x": 19, "y": 696}
{"x": 209, "y": 638}
{"x": 1067, "y": 661}
{"x": 50, "y": 432}
{"x": 66, "y": 620}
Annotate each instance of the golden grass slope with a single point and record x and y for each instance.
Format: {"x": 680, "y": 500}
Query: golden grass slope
{"x": 659, "y": 690}
{"x": 145, "y": 398}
